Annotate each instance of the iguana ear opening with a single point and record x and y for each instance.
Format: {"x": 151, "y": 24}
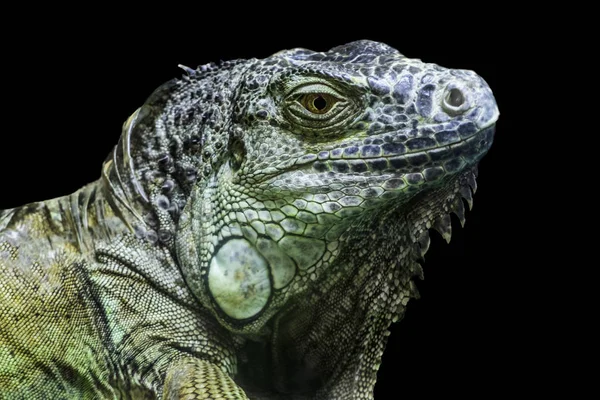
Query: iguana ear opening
{"x": 238, "y": 153}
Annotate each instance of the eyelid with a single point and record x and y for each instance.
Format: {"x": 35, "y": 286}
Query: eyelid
{"x": 316, "y": 88}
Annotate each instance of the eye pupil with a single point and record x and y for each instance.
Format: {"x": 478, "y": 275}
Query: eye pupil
{"x": 319, "y": 103}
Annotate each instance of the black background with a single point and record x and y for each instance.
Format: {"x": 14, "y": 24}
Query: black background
{"x": 71, "y": 80}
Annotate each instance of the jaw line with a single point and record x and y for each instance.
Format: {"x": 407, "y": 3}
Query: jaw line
{"x": 443, "y": 152}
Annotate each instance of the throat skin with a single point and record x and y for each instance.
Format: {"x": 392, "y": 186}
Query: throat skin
{"x": 366, "y": 290}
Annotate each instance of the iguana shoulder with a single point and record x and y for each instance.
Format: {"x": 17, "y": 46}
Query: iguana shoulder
{"x": 51, "y": 330}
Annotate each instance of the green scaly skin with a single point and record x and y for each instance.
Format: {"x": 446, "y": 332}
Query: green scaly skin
{"x": 254, "y": 233}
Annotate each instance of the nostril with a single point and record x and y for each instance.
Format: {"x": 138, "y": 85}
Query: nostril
{"x": 455, "y": 98}
{"x": 455, "y": 101}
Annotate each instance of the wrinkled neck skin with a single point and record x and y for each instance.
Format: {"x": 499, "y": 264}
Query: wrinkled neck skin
{"x": 330, "y": 340}
{"x": 77, "y": 223}
{"x": 317, "y": 342}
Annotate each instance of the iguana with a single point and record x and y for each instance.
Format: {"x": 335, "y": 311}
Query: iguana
{"x": 254, "y": 233}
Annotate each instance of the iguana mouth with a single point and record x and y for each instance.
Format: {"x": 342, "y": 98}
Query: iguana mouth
{"x": 391, "y": 166}
{"x": 432, "y": 160}
{"x": 390, "y": 161}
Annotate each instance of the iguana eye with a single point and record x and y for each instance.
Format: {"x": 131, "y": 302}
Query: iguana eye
{"x": 317, "y": 103}
{"x": 317, "y": 107}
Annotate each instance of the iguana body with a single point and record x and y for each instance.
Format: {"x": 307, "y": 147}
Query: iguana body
{"x": 254, "y": 233}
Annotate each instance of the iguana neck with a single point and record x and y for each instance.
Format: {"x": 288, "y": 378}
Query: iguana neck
{"x": 81, "y": 219}
{"x": 366, "y": 289}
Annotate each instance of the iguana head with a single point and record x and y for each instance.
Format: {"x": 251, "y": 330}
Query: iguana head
{"x": 265, "y": 173}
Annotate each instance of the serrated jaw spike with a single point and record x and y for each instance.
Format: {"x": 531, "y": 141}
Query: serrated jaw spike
{"x": 423, "y": 244}
{"x": 466, "y": 194}
{"x": 443, "y": 225}
{"x": 472, "y": 182}
{"x": 459, "y": 211}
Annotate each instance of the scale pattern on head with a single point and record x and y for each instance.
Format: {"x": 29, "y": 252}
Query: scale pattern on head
{"x": 253, "y": 169}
